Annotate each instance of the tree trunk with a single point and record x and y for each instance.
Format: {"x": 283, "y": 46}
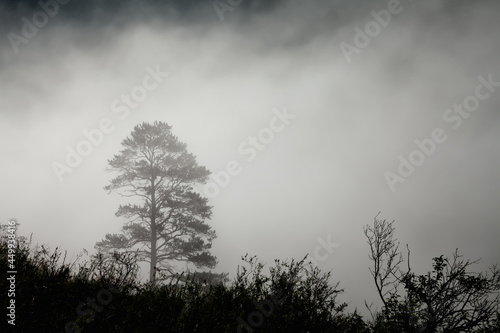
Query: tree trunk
{"x": 152, "y": 266}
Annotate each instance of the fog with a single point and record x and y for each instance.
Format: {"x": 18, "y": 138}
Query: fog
{"x": 352, "y": 114}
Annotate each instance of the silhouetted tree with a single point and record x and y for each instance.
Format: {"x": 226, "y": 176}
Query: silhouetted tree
{"x": 386, "y": 258}
{"x": 169, "y": 223}
{"x": 447, "y": 299}
{"x": 453, "y": 299}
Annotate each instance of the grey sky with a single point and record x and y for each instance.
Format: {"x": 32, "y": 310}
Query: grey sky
{"x": 322, "y": 175}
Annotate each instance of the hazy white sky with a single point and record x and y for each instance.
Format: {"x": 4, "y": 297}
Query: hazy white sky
{"x": 323, "y": 175}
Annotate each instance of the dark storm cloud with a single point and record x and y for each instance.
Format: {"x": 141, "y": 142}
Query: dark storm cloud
{"x": 290, "y": 22}
{"x": 104, "y": 12}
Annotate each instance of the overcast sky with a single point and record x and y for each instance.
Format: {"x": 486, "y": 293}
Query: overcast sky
{"x": 352, "y": 104}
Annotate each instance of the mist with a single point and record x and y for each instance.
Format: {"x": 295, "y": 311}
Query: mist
{"x": 221, "y": 78}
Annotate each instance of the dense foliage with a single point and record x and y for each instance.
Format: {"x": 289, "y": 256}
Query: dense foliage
{"x": 166, "y": 221}
{"x": 102, "y": 295}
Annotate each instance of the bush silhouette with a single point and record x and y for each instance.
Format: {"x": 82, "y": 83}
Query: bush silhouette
{"x": 103, "y": 295}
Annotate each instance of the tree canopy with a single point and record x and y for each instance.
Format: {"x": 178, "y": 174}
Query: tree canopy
{"x": 449, "y": 298}
{"x": 166, "y": 222}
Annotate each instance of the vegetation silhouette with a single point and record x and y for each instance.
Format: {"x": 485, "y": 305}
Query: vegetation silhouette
{"x": 167, "y": 221}
{"x": 102, "y": 294}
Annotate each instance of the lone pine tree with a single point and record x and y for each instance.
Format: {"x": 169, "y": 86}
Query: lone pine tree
{"x": 167, "y": 222}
